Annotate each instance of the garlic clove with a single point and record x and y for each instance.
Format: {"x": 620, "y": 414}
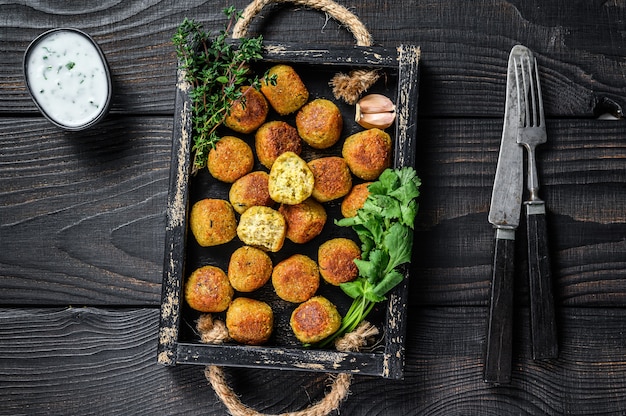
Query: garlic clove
{"x": 377, "y": 120}
{"x": 376, "y": 103}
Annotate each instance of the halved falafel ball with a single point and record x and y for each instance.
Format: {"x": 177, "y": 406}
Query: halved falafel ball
{"x": 291, "y": 180}
{"x": 262, "y": 227}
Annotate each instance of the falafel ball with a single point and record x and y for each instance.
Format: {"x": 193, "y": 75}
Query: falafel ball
{"x": 288, "y": 93}
{"x": 273, "y": 139}
{"x": 305, "y": 220}
{"x": 208, "y": 290}
{"x": 291, "y": 181}
{"x": 314, "y": 320}
{"x": 355, "y": 199}
{"x": 249, "y": 321}
{"x": 212, "y": 222}
{"x": 262, "y": 227}
{"x": 336, "y": 260}
{"x": 248, "y": 112}
{"x": 249, "y": 191}
{"x": 368, "y": 153}
{"x": 333, "y": 178}
{"x": 249, "y": 269}
{"x": 230, "y": 159}
{"x": 319, "y": 123}
{"x": 296, "y": 278}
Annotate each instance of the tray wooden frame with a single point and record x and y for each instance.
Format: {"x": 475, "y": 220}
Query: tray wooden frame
{"x": 388, "y": 361}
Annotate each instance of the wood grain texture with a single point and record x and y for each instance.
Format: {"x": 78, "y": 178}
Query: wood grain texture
{"x": 83, "y": 214}
{"x": 102, "y": 361}
{"x": 579, "y": 46}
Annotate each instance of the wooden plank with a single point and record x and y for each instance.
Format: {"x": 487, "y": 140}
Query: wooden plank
{"x": 465, "y": 48}
{"x": 57, "y": 189}
{"x": 83, "y": 214}
{"x": 83, "y": 361}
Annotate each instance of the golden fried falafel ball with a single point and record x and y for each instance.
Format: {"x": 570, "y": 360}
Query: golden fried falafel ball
{"x": 212, "y": 222}
{"x": 320, "y": 123}
{"x": 249, "y": 268}
{"x": 273, "y": 139}
{"x": 314, "y": 320}
{"x": 230, "y": 159}
{"x": 250, "y": 190}
{"x": 262, "y": 227}
{"x": 249, "y": 321}
{"x": 296, "y": 278}
{"x": 333, "y": 178}
{"x": 248, "y": 112}
{"x": 288, "y": 93}
{"x": 355, "y": 199}
{"x": 208, "y": 290}
{"x": 368, "y": 153}
{"x": 305, "y": 220}
{"x": 335, "y": 258}
{"x": 291, "y": 181}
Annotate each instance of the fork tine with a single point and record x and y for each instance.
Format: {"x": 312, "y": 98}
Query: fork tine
{"x": 540, "y": 109}
{"x": 533, "y": 97}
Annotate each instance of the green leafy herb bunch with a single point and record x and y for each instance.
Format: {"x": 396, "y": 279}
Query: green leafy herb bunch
{"x": 216, "y": 69}
{"x": 385, "y": 227}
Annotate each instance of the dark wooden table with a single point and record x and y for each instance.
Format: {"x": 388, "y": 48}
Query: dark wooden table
{"x": 82, "y": 215}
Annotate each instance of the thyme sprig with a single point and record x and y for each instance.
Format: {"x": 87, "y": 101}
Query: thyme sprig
{"x": 216, "y": 70}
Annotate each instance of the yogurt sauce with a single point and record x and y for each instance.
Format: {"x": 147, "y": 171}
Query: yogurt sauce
{"x": 68, "y": 78}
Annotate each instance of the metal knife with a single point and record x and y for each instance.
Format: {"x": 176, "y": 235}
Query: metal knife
{"x": 504, "y": 215}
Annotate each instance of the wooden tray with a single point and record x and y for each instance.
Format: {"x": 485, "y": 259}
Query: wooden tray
{"x": 178, "y": 342}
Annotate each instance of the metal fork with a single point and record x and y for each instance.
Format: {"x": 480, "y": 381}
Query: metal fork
{"x": 532, "y": 132}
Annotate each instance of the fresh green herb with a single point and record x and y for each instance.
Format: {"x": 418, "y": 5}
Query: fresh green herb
{"x": 216, "y": 70}
{"x": 385, "y": 227}
{"x": 70, "y": 65}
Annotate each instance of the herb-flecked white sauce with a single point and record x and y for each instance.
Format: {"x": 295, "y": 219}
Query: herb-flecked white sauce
{"x": 68, "y": 78}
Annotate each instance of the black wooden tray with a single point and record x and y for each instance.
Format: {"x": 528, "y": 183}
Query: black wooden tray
{"x": 178, "y": 342}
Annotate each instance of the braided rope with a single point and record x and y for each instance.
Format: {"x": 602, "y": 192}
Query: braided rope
{"x": 212, "y": 330}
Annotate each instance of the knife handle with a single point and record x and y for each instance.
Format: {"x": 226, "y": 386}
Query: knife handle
{"x": 498, "y": 356}
{"x": 542, "y": 314}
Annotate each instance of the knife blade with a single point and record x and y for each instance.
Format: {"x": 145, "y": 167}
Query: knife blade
{"x": 504, "y": 215}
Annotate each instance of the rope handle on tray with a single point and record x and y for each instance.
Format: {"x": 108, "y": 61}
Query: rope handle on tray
{"x": 214, "y": 331}
{"x": 347, "y": 87}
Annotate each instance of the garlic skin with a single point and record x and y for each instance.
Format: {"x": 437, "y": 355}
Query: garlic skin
{"x": 376, "y": 103}
{"x": 375, "y": 111}
{"x": 377, "y": 120}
